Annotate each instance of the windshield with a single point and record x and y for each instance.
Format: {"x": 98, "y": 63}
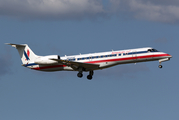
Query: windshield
{"x": 153, "y": 50}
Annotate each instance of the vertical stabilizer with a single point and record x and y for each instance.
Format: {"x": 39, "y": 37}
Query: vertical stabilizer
{"x": 26, "y": 54}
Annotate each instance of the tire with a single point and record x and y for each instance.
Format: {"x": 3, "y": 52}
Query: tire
{"x": 80, "y": 75}
{"x": 160, "y": 66}
{"x": 89, "y": 77}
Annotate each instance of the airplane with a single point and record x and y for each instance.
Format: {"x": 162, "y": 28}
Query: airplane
{"x": 87, "y": 62}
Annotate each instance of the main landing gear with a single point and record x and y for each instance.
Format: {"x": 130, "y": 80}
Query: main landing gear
{"x": 89, "y": 77}
{"x": 80, "y": 75}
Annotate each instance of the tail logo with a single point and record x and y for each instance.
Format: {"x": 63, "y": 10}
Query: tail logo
{"x": 27, "y": 54}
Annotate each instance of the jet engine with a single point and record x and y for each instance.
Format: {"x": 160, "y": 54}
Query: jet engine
{"x": 45, "y": 60}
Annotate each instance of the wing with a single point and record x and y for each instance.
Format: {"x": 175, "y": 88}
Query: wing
{"x": 76, "y": 65}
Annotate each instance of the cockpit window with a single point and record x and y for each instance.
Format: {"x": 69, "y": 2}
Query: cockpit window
{"x": 155, "y": 50}
{"x": 152, "y": 50}
{"x": 149, "y": 50}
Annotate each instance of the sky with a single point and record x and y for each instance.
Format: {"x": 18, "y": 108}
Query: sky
{"x": 67, "y": 27}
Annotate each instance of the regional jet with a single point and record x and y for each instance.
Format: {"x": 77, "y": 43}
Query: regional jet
{"x": 87, "y": 62}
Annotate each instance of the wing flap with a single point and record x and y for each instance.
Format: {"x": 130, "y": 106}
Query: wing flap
{"x": 75, "y": 65}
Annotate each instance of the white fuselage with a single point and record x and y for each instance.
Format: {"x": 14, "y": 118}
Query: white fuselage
{"x": 106, "y": 59}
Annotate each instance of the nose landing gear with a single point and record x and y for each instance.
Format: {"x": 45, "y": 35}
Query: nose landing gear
{"x": 163, "y": 60}
{"x": 160, "y": 66}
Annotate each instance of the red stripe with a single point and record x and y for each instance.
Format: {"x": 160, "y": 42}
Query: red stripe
{"x": 111, "y": 60}
{"x": 47, "y": 67}
{"x": 130, "y": 58}
{"x": 28, "y": 53}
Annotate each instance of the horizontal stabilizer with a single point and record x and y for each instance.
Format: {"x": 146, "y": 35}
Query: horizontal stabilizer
{"x": 15, "y": 45}
{"x": 26, "y": 54}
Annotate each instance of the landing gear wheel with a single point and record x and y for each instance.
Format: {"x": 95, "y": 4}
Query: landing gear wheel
{"x": 80, "y": 75}
{"x": 89, "y": 77}
{"x": 160, "y": 66}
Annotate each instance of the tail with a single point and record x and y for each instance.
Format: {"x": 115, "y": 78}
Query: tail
{"x": 26, "y": 54}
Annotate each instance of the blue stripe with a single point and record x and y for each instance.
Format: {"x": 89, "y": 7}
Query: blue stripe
{"x": 142, "y": 52}
{"x": 31, "y": 64}
{"x": 26, "y": 55}
{"x": 130, "y": 53}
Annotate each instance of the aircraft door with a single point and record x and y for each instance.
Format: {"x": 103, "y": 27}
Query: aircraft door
{"x": 150, "y": 54}
{"x": 90, "y": 58}
{"x": 134, "y": 55}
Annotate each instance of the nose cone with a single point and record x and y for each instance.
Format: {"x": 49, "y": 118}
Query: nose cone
{"x": 169, "y": 55}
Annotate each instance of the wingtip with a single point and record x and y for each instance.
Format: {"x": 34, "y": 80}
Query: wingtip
{"x": 7, "y": 43}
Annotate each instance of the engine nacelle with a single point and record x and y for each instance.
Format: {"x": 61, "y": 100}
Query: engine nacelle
{"x": 46, "y": 59}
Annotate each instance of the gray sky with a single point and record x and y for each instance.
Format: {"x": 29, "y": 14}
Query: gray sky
{"x": 67, "y": 27}
{"x": 151, "y": 10}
